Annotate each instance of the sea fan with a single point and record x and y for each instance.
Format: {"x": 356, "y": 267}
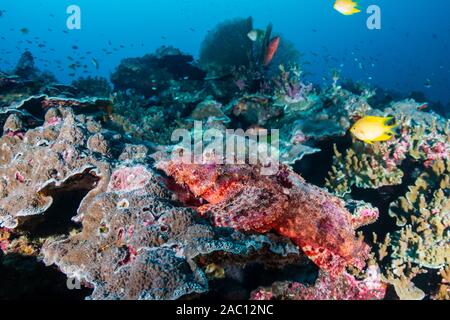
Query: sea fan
{"x": 227, "y": 46}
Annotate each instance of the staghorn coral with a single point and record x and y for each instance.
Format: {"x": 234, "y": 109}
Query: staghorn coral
{"x": 239, "y": 196}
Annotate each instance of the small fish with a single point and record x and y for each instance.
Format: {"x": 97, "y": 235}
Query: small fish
{"x": 346, "y": 7}
{"x": 95, "y": 63}
{"x": 371, "y": 129}
{"x": 256, "y": 34}
{"x": 271, "y": 50}
{"x": 422, "y": 107}
{"x": 427, "y": 83}
{"x": 24, "y": 31}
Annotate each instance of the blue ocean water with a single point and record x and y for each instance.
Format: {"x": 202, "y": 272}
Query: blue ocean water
{"x": 410, "y": 53}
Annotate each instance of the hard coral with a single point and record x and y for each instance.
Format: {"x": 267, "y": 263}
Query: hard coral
{"x": 67, "y": 153}
{"x": 152, "y": 74}
{"x": 422, "y": 242}
{"x": 373, "y": 166}
{"x": 137, "y": 244}
{"x": 343, "y": 287}
{"x": 239, "y": 197}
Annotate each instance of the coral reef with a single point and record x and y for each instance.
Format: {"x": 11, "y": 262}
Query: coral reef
{"x": 92, "y": 87}
{"x": 155, "y": 73}
{"x": 91, "y": 185}
{"x": 422, "y": 138}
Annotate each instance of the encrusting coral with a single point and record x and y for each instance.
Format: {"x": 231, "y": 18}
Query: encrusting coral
{"x": 136, "y": 244}
{"x": 38, "y": 163}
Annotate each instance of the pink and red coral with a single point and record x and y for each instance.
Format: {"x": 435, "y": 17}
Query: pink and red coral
{"x": 343, "y": 287}
{"x": 4, "y": 239}
{"x": 128, "y": 179}
{"x": 239, "y": 197}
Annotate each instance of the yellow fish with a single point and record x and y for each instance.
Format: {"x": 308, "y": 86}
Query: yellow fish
{"x": 346, "y": 7}
{"x": 370, "y": 129}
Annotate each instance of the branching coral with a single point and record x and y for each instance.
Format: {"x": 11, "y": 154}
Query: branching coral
{"x": 362, "y": 166}
{"x": 444, "y": 287}
{"x": 378, "y": 165}
{"x": 288, "y": 86}
{"x": 422, "y": 243}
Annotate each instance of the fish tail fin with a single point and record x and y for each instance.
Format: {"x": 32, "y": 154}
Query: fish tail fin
{"x": 387, "y": 120}
{"x": 355, "y": 10}
{"x": 394, "y": 126}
